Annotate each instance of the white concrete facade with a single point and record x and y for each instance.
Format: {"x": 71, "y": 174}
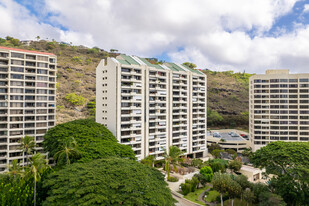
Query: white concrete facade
{"x": 152, "y": 107}
{"x": 279, "y": 107}
{"x": 27, "y": 100}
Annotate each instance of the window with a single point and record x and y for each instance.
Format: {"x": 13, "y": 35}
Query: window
{"x": 15, "y": 83}
{"x": 17, "y": 69}
{"x": 17, "y": 55}
{"x": 17, "y": 62}
{"x": 41, "y": 71}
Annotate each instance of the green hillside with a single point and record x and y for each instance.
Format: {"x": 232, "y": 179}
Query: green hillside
{"x": 227, "y": 91}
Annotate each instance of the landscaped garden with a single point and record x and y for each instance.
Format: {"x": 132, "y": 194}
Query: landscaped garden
{"x": 194, "y": 196}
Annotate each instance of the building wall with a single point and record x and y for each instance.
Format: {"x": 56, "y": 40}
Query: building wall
{"x": 161, "y": 109}
{"x": 28, "y": 100}
{"x": 279, "y": 108}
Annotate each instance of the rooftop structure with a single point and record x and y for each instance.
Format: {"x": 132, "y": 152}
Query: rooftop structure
{"x": 228, "y": 139}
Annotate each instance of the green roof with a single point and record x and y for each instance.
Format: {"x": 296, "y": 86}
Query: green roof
{"x": 124, "y": 59}
{"x": 157, "y": 66}
{"x": 174, "y": 67}
{"x": 192, "y": 70}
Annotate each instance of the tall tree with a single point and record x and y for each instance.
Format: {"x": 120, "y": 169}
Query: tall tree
{"x": 15, "y": 169}
{"x": 248, "y": 195}
{"x": 220, "y": 183}
{"x": 217, "y": 153}
{"x": 39, "y": 164}
{"x": 27, "y": 145}
{"x": 234, "y": 189}
{"x": 172, "y": 159}
{"x": 235, "y": 165}
{"x": 288, "y": 162}
{"x": 94, "y": 141}
{"x": 68, "y": 149}
{"x": 109, "y": 181}
{"x": 38, "y": 38}
{"x": 149, "y": 160}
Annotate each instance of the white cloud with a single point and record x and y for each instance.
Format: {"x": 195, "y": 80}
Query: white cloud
{"x": 306, "y": 8}
{"x": 213, "y": 34}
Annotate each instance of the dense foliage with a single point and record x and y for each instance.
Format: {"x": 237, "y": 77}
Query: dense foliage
{"x": 93, "y": 139}
{"x": 172, "y": 158}
{"x": 189, "y": 185}
{"x": 15, "y": 190}
{"x": 207, "y": 173}
{"x": 218, "y": 165}
{"x": 289, "y": 163}
{"x": 235, "y": 165}
{"x": 108, "y": 182}
{"x": 76, "y": 100}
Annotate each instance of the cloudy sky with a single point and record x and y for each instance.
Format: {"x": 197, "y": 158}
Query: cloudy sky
{"x": 250, "y": 35}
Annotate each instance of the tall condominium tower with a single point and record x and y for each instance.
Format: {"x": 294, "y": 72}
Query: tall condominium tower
{"x": 279, "y": 107}
{"x": 151, "y": 107}
{"x": 27, "y": 100}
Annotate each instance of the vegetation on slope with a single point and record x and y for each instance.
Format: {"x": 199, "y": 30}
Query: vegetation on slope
{"x": 227, "y": 91}
{"x": 228, "y": 99}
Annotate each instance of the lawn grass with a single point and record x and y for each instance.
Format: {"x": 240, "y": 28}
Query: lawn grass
{"x": 237, "y": 202}
{"x": 212, "y": 196}
{"x": 193, "y": 196}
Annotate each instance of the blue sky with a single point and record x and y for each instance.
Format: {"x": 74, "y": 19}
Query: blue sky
{"x": 221, "y": 35}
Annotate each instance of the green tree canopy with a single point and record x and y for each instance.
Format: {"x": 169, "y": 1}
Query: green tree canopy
{"x": 189, "y": 64}
{"x": 213, "y": 117}
{"x": 93, "y": 139}
{"x": 235, "y": 165}
{"x": 207, "y": 173}
{"x": 214, "y": 146}
{"x": 172, "y": 158}
{"x": 268, "y": 198}
{"x": 218, "y": 165}
{"x": 220, "y": 183}
{"x": 289, "y": 163}
{"x": 110, "y": 181}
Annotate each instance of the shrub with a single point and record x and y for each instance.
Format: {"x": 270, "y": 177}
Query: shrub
{"x": 94, "y": 50}
{"x": 172, "y": 179}
{"x": 207, "y": 173}
{"x": 88, "y": 60}
{"x": 50, "y": 45}
{"x": 185, "y": 188}
{"x": 75, "y": 99}
{"x": 196, "y": 162}
{"x": 77, "y": 60}
{"x": 218, "y": 165}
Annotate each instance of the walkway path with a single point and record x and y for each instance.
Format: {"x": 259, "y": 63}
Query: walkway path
{"x": 202, "y": 195}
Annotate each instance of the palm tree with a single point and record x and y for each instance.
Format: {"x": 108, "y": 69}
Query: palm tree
{"x": 38, "y": 38}
{"x": 68, "y": 148}
{"x": 149, "y": 160}
{"x": 27, "y": 145}
{"x": 39, "y": 164}
{"x": 172, "y": 158}
{"x": 15, "y": 169}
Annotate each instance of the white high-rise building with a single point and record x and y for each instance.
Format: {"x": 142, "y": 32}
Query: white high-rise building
{"x": 27, "y": 100}
{"x": 151, "y": 107}
{"x": 279, "y": 107}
